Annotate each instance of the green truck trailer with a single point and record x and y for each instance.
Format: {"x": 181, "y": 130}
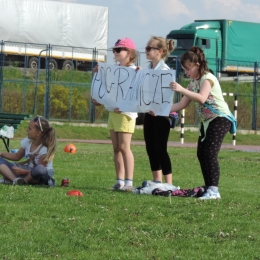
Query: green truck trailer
{"x": 231, "y": 47}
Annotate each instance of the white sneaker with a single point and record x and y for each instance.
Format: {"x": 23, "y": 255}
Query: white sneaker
{"x": 117, "y": 186}
{"x": 5, "y": 181}
{"x": 210, "y": 195}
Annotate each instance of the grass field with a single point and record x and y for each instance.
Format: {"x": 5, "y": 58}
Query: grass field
{"x": 45, "y": 223}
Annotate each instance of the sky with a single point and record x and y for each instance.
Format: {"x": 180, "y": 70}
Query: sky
{"x": 141, "y": 19}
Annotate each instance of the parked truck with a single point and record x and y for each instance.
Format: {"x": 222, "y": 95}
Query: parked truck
{"x": 231, "y": 47}
{"x": 68, "y": 33}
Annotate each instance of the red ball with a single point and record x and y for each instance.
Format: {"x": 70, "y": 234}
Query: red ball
{"x": 70, "y": 148}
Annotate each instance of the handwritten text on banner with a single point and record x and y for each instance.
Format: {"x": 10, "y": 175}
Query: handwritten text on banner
{"x": 133, "y": 91}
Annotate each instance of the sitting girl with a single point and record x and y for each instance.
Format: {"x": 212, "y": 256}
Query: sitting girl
{"x": 39, "y": 148}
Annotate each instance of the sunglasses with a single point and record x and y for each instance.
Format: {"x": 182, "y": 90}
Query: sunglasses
{"x": 149, "y": 48}
{"x": 118, "y": 50}
{"x": 37, "y": 121}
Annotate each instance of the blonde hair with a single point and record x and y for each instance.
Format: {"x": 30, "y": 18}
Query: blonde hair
{"x": 166, "y": 45}
{"x": 133, "y": 56}
{"x": 48, "y": 137}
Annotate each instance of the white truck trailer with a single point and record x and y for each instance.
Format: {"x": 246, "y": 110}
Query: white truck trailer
{"x": 67, "y": 32}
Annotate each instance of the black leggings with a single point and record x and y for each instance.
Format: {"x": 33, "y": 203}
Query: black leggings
{"x": 156, "y": 133}
{"x": 207, "y": 151}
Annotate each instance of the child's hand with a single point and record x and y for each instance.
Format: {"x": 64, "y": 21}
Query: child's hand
{"x": 19, "y": 171}
{"x": 95, "y": 102}
{"x": 152, "y": 113}
{"x": 138, "y": 68}
{"x": 176, "y": 86}
{"x": 116, "y": 110}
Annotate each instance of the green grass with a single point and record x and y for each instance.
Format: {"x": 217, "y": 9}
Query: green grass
{"x": 13, "y": 73}
{"x": 44, "y": 223}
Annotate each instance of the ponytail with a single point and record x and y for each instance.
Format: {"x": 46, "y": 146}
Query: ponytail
{"x": 49, "y": 140}
{"x": 165, "y": 44}
{"x": 196, "y": 55}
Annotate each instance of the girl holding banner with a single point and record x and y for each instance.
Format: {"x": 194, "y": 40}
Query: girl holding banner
{"x": 122, "y": 124}
{"x": 205, "y": 91}
{"x": 157, "y": 128}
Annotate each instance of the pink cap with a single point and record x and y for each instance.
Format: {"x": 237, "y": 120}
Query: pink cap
{"x": 125, "y": 43}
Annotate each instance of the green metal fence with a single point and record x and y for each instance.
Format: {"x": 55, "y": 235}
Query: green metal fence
{"x": 64, "y": 95}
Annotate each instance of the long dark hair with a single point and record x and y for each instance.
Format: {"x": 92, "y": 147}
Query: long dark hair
{"x": 196, "y": 55}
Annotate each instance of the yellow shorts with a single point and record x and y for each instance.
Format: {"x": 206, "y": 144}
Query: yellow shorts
{"x": 120, "y": 123}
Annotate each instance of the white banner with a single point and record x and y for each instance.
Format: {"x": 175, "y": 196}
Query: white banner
{"x": 133, "y": 91}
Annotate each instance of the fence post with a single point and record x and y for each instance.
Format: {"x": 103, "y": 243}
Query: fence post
{"x": 235, "y": 111}
{"x": 235, "y": 115}
{"x": 178, "y": 97}
{"x": 37, "y": 81}
{"x": 24, "y": 82}
{"x": 36, "y": 85}
{"x": 254, "y": 103}
{"x": 218, "y": 69}
{"x": 71, "y": 88}
{"x": 48, "y": 81}
{"x": 92, "y": 106}
{"x": 182, "y": 125}
{"x": 2, "y": 63}
{"x": 138, "y": 59}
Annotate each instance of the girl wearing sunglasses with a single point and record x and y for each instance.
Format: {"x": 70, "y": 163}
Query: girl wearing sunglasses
{"x": 38, "y": 148}
{"x": 122, "y": 124}
{"x": 157, "y": 128}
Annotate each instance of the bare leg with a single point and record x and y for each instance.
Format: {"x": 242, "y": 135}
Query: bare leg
{"x": 29, "y": 179}
{"x": 168, "y": 178}
{"x": 124, "y": 141}
{"x": 6, "y": 172}
{"x": 118, "y": 158}
{"x": 157, "y": 175}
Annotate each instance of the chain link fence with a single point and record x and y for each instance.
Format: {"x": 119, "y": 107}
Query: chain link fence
{"x": 56, "y": 83}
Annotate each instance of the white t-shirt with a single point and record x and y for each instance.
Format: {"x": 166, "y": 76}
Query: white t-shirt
{"x": 26, "y": 145}
{"x": 160, "y": 66}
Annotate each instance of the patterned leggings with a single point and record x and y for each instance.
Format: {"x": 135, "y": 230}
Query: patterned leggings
{"x": 207, "y": 151}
